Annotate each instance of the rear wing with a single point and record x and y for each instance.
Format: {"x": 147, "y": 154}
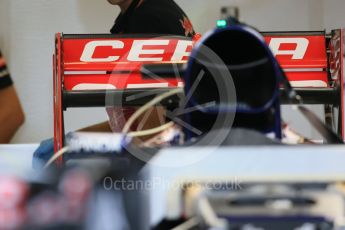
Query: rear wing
{"x": 303, "y": 56}
{"x": 91, "y": 69}
{"x": 314, "y": 65}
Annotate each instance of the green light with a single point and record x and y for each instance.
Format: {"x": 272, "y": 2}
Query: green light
{"x": 222, "y": 23}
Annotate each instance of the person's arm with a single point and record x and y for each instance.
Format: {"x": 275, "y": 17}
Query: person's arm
{"x": 11, "y": 114}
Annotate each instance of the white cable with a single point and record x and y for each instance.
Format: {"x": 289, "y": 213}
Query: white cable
{"x": 56, "y": 156}
{"x": 148, "y": 132}
{"x": 147, "y": 106}
{"x": 190, "y": 224}
{"x": 144, "y": 119}
{"x": 209, "y": 216}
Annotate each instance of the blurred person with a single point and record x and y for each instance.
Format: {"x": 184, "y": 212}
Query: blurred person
{"x": 158, "y": 17}
{"x": 151, "y": 17}
{"x": 11, "y": 112}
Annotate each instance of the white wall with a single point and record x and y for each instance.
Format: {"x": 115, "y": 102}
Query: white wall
{"x": 27, "y": 39}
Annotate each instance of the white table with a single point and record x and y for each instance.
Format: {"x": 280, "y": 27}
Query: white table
{"x": 174, "y": 167}
{"x": 16, "y": 159}
{"x": 251, "y": 164}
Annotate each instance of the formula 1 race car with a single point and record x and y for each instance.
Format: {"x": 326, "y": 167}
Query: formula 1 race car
{"x": 112, "y": 70}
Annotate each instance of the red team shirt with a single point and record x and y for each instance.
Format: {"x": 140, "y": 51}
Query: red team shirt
{"x": 161, "y": 17}
{"x": 153, "y": 17}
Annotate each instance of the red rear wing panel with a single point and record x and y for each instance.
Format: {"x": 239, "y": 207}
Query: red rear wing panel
{"x": 111, "y": 62}
{"x": 303, "y": 56}
{"x": 85, "y": 66}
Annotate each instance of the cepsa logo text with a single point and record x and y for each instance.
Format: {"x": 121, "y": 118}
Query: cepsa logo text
{"x": 298, "y": 52}
{"x": 152, "y": 50}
